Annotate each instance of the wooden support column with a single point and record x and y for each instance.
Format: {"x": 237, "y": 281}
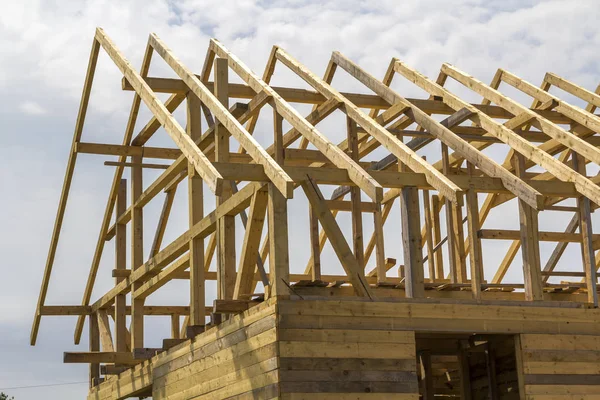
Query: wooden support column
{"x": 437, "y": 237}
{"x": 490, "y": 360}
{"x": 279, "y": 263}
{"x": 175, "y": 332}
{"x": 429, "y": 235}
{"x": 450, "y": 229}
{"x": 355, "y": 196}
{"x": 279, "y": 259}
{"x": 427, "y": 383}
{"x": 196, "y": 213}
{"x": 94, "y": 347}
{"x": 380, "y": 263}
{"x": 411, "y": 240}
{"x": 475, "y": 252}
{"x": 137, "y": 254}
{"x": 465, "y": 373}
{"x": 121, "y": 264}
{"x": 585, "y": 228}
{"x": 226, "y": 274}
{"x": 315, "y": 248}
{"x": 530, "y": 245}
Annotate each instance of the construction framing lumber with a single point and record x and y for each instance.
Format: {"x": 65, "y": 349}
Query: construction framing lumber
{"x": 282, "y": 315}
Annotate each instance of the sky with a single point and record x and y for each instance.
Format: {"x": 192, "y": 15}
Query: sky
{"x": 44, "y": 49}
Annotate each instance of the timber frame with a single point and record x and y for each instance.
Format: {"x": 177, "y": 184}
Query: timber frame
{"x": 254, "y": 182}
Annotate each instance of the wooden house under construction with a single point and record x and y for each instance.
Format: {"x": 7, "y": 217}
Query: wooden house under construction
{"x": 442, "y": 321}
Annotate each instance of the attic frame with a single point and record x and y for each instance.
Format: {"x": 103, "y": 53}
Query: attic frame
{"x": 255, "y": 183}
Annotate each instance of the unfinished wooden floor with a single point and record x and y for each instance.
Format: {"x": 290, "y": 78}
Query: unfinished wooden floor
{"x": 438, "y": 322}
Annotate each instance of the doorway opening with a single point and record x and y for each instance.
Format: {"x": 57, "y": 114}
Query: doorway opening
{"x": 470, "y": 367}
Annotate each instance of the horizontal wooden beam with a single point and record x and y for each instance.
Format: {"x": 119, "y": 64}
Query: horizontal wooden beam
{"x": 294, "y": 95}
{"x": 506, "y": 234}
{"x": 101, "y": 357}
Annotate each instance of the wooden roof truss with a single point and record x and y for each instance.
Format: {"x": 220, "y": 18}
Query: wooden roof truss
{"x": 254, "y": 182}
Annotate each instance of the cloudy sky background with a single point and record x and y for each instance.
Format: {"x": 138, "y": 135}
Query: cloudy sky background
{"x": 44, "y": 47}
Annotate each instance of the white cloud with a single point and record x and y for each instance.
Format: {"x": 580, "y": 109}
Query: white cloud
{"x": 44, "y": 50}
{"x": 32, "y": 108}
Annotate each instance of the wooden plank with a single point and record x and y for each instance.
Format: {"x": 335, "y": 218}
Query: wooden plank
{"x": 94, "y": 345}
{"x": 226, "y": 255}
{"x": 336, "y": 238}
{"x": 279, "y": 259}
{"x": 475, "y": 252}
{"x": 64, "y": 194}
{"x": 593, "y": 99}
{"x": 137, "y": 256}
{"x": 104, "y": 329}
{"x": 162, "y": 221}
{"x": 251, "y": 244}
{"x": 411, "y": 241}
{"x": 381, "y": 266}
{"x": 195, "y": 213}
{"x": 120, "y": 316}
{"x": 587, "y": 237}
{"x": 315, "y": 248}
{"x": 437, "y": 235}
{"x": 355, "y": 196}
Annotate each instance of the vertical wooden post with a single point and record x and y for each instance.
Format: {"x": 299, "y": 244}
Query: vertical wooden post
{"x": 530, "y": 245}
{"x": 475, "y": 252}
{"x": 437, "y": 236}
{"x": 315, "y": 249}
{"x": 490, "y": 361}
{"x": 137, "y": 253}
{"x": 279, "y": 262}
{"x": 121, "y": 264}
{"x": 426, "y": 375}
{"x": 175, "y": 332}
{"x": 379, "y": 244}
{"x": 429, "y": 234}
{"x": 226, "y": 274}
{"x": 465, "y": 374}
{"x": 452, "y": 257}
{"x": 585, "y": 228}
{"x": 411, "y": 240}
{"x": 196, "y": 213}
{"x": 520, "y": 367}
{"x": 94, "y": 346}
{"x": 459, "y": 242}
{"x": 355, "y": 197}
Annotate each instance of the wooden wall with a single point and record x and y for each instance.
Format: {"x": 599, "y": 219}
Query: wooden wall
{"x": 324, "y": 358}
{"x": 560, "y": 367}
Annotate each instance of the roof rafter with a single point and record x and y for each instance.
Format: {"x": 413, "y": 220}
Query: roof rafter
{"x": 390, "y": 142}
{"x": 460, "y": 146}
{"x": 330, "y": 150}
{"x": 283, "y": 182}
